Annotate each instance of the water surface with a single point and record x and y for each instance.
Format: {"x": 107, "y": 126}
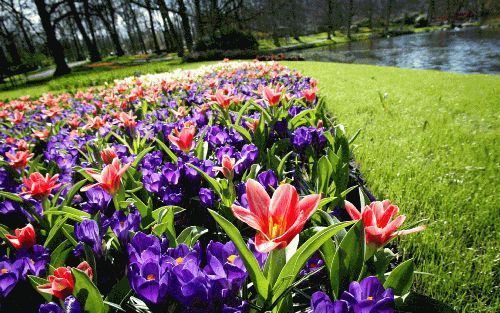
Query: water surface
{"x": 470, "y": 50}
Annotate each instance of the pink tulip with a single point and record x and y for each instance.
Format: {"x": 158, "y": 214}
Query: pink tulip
{"x": 380, "y": 227}
{"x": 38, "y": 186}
{"x": 277, "y": 220}
{"x": 24, "y": 238}
{"x": 271, "y": 96}
{"x": 110, "y": 177}
{"x": 227, "y": 167}
{"x": 183, "y": 139}
{"x": 20, "y": 159}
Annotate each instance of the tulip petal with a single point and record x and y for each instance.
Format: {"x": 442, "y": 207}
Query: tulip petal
{"x": 409, "y": 231}
{"x": 247, "y": 217}
{"x": 284, "y": 203}
{"x": 352, "y": 211}
{"x": 258, "y": 199}
{"x": 264, "y": 245}
{"x": 389, "y": 212}
{"x": 389, "y": 229}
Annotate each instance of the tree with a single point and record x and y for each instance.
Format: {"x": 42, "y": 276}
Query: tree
{"x": 106, "y": 12}
{"x": 95, "y": 56}
{"x": 186, "y": 27}
{"x": 53, "y": 45}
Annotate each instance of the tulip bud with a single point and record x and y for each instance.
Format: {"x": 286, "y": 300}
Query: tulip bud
{"x": 24, "y": 238}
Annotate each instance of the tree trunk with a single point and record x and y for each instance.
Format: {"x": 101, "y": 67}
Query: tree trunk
{"x": 198, "y": 18}
{"x": 54, "y": 46}
{"x": 95, "y": 56}
{"x": 152, "y": 26}
{"x": 76, "y": 42}
{"x": 370, "y": 14}
{"x": 350, "y": 7}
{"x": 177, "y": 41}
{"x": 331, "y": 26}
{"x": 387, "y": 16}
{"x": 137, "y": 27}
{"x": 186, "y": 27}
{"x": 167, "y": 34}
{"x": 431, "y": 11}
{"x": 88, "y": 20}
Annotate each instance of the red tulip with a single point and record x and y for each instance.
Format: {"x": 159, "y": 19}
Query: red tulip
{"x": 378, "y": 221}
{"x": 20, "y": 159}
{"x": 271, "y": 96}
{"x": 110, "y": 177}
{"x": 38, "y": 186}
{"x": 183, "y": 139}
{"x": 108, "y": 155}
{"x": 127, "y": 119}
{"x": 227, "y": 167}
{"x": 278, "y": 219}
{"x": 310, "y": 94}
{"x": 60, "y": 284}
{"x": 24, "y": 238}
{"x": 85, "y": 267}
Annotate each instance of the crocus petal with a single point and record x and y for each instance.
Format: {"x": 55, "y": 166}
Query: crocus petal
{"x": 352, "y": 211}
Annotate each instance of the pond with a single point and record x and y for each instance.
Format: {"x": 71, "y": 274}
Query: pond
{"x": 469, "y": 50}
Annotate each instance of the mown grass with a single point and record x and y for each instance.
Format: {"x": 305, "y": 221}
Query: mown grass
{"x": 432, "y": 147}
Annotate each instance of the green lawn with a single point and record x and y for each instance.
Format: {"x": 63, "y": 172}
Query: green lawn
{"x": 431, "y": 147}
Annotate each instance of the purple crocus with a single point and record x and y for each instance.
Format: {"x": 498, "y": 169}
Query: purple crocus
{"x": 225, "y": 268}
{"x": 144, "y": 247}
{"x": 321, "y": 303}
{"x": 35, "y": 260}
{"x": 207, "y": 197}
{"x": 122, "y": 224}
{"x": 150, "y": 280}
{"x": 71, "y": 305}
{"x": 369, "y": 296}
{"x": 9, "y": 275}
{"x": 268, "y": 179}
{"x": 50, "y": 307}
{"x": 97, "y": 200}
{"x": 88, "y": 232}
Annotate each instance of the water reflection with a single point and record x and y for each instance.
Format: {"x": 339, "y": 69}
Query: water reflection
{"x": 472, "y": 50}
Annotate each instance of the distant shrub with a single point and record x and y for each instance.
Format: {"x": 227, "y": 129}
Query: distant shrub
{"x": 229, "y": 40}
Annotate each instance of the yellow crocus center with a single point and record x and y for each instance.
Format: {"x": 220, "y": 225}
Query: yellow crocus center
{"x": 370, "y": 298}
{"x": 150, "y": 277}
{"x": 231, "y": 258}
{"x": 4, "y": 270}
{"x": 179, "y": 260}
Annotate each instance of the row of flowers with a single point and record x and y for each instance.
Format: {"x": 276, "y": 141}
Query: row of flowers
{"x": 222, "y": 189}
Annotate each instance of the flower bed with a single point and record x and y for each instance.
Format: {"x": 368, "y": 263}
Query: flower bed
{"x": 220, "y": 189}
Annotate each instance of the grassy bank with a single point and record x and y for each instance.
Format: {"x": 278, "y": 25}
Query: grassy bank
{"x": 430, "y": 146}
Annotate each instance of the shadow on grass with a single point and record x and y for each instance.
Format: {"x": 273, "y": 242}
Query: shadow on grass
{"x": 418, "y": 303}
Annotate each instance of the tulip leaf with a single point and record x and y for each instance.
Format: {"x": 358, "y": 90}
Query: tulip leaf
{"x": 10, "y": 196}
{"x": 72, "y": 192}
{"x": 36, "y": 281}
{"x": 55, "y": 230}
{"x": 213, "y": 183}
{"x": 259, "y": 280}
{"x": 165, "y": 225}
{"x": 167, "y": 150}
{"x": 140, "y": 156}
{"x": 190, "y": 235}
{"x": 243, "y": 132}
{"x": 294, "y": 121}
{"x": 59, "y": 255}
{"x": 292, "y": 268}
{"x": 87, "y": 293}
{"x": 346, "y": 266}
{"x": 324, "y": 171}
{"x": 120, "y": 292}
{"x": 401, "y": 278}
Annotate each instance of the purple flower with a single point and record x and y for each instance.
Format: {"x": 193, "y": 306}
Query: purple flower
{"x": 97, "y": 200}
{"x": 207, "y": 197}
{"x": 321, "y": 303}
{"x": 9, "y": 275}
{"x": 248, "y": 156}
{"x": 50, "y": 307}
{"x": 369, "y": 296}
{"x": 225, "y": 268}
{"x": 72, "y": 305}
{"x": 182, "y": 254}
{"x": 88, "y": 232}
{"x": 268, "y": 179}
{"x": 144, "y": 247}
{"x": 35, "y": 260}
{"x": 191, "y": 284}
{"x": 261, "y": 257}
{"x": 122, "y": 224}
{"x": 150, "y": 280}
{"x": 302, "y": 137}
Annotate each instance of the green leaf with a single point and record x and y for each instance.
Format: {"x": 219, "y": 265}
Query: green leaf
{"x": 401, "y": 278}
{"x": 260, "y": 282}
{"x": 243, "y": 132}
{"x": 10, "y": 196}
{"x": 167, "y": 150}
{"x": 299, "y": 259}
{"x": 55, "y": 230}
{"x": 213, "y": 183}
{"x": 165, "y": 225}
{"x": 298, "y": 117}
{"x": 119, "y": 292}
{"x": 348, "y": 261}
{"x": 72, "y": 192}
{"x": 37, "y": 281}
{"x": 323, "y": 174}
{"x": 87, "y": 293}
{"x": 60, "y": 254}
{"x": 281, "y": 165}
{"x": 190, "y": 235}
{"x": 381, "y": 261}
{"x": 141, "y": 206}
